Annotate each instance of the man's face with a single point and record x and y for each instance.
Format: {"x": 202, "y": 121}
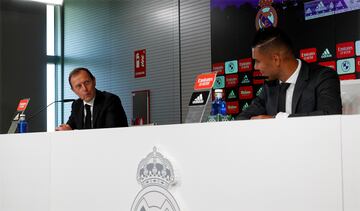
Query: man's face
{"x": 266, "y": 63}
{"x": 83, "y": 86}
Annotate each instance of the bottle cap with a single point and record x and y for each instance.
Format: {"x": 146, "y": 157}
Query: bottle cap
{"x": 22, "y": 116}
{"x": 218, "y": 93}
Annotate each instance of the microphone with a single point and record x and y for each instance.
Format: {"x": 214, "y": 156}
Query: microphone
{"x": 64, "y": 101}
{"x": 56, "y": 101}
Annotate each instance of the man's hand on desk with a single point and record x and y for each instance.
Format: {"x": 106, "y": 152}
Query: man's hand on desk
{"x": 262, "y": 117}
{"x": 63, "y": 127}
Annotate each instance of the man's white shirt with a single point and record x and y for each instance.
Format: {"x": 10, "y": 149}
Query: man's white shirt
{"x": 289, "y": 92}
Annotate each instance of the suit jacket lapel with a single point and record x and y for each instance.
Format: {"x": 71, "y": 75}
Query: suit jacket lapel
{"x": 300, "y": 85}
{"x": 274, "y": 90}
{"x": 277, "y": 93}
{"x": 81, "y": 116}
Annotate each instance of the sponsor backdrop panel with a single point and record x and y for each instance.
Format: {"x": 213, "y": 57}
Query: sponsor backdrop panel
{"x": 25, "y": 172}
{"x": 351, "y": 162}
{"x": 319, "y": 29}
{"x": 213, "y": 170}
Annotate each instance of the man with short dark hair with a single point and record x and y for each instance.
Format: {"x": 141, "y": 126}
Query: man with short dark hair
{"x": 293, "y": 87}
{"x": 94, "y": 108}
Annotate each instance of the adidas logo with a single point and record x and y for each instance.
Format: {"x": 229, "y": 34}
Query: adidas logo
{"x": 232, "y": 95}
{"x": 198, "y": 100}
{"x": 326, "y": 54}
{"x": 245, "y": 80}
{"x": 259, "y": 91}
{"x": 245, "y": 106}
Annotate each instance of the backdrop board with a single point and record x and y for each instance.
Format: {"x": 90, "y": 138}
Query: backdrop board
{"x": 321, "y": 32}
{"x": 16, "y": 117}
{"x": 197, "y": 106}
{"x": 200, "y": 97}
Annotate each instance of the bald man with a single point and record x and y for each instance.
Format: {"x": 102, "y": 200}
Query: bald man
{"x": 94, "y": 108}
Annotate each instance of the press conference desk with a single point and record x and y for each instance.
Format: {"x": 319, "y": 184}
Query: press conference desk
{"x": 299, "y": 164}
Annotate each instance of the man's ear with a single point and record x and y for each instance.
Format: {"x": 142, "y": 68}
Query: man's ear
{"x": 94, "y": 81}
{"x": 277, "y": 59}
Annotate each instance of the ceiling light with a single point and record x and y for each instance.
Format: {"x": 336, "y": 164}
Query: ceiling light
{"x": 55, "y": 2}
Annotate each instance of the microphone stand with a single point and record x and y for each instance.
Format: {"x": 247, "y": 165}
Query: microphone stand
{"x": 56, "y": 101}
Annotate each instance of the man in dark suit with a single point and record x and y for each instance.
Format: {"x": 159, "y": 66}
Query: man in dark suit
{"x": 94, "y": 108}
{"x": 293, "y": 87}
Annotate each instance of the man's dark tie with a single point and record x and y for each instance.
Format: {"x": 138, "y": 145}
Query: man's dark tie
{"x": 282, "y": 96}
{"x": 87, "y": 117}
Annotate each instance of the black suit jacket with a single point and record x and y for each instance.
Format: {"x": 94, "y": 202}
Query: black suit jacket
{"x": 316, "y": 92}
{"x": 107, "y": 112}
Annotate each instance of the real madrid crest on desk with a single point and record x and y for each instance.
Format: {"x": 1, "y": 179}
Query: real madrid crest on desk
{"x": 155, "y": 174}
{"x": 266, "y": 15}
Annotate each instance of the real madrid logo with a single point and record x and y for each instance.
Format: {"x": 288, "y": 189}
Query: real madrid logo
{"x": 266, "y": 16}
{"x": 155, "y": 174}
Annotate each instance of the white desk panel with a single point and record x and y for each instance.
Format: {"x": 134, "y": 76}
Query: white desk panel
{"x": 351, "y": 162}
{"x": 25, "y": 172}
{"x": 281, "y": 165}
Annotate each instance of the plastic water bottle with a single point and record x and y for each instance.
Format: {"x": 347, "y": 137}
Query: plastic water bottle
{"x": 222, "y": 107}
{"x": 218, "y": 106}
{"x": 22, "y": 125}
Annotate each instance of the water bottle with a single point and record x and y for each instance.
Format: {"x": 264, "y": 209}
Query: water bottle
{"x": 222, "y": 107}
{"x": 214, "y": 106}
{"x": 218, "y": 106}
{"x": 22, "y": 125}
